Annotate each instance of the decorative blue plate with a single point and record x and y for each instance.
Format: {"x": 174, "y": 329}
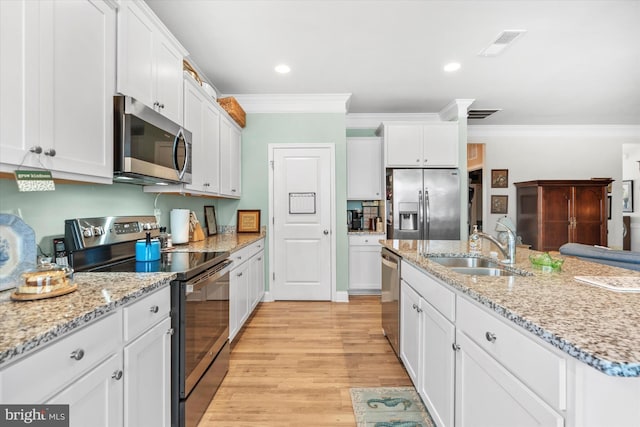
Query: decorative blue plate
{"x": 17, "y": 250}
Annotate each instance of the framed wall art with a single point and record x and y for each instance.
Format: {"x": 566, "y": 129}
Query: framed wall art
{"x": 499, "y": 178}
{"x": 627, "y": 196}
{"x": 499, "y": 204}
{"x": 248, "y": 221}
{"x": 210, "y": 219}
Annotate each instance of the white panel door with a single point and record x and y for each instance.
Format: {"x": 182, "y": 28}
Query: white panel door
{"x": 302, "y": 206}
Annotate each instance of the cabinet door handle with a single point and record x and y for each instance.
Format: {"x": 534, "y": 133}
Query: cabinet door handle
{"x": 455, "y": 347}
{"x": 35, "y": 149}
{"x": 77, "y": 354}
{"x": 417, "y": 160}
{"x": 415, "y": 307}
{"x": 170, "y": 331}
{"x": 490, "y": 336}
{"x": 50, "y": 152}
{"x": 117, "y": 375}
{"x": 239, "y": 274}
{"x": 154, "y": 309}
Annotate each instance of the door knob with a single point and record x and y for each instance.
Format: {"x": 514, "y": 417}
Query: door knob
{"x": 325, "y": 232}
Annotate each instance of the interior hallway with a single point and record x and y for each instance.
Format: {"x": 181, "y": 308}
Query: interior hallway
{"x": 294, "y": 363}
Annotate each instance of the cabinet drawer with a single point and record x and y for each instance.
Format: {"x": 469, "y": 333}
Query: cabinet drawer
{"x": 436, "y": 294}
{"x": 143, "y": 314}
{"x": 47, "y": 371}
{"x": 366, "y": 240}
{"x": 539, "y": 368}
{"x": 247, "y": 252}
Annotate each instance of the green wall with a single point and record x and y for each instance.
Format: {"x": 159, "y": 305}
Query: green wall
{"x": 354, "y": 133}
{"x": 265, "y": 129}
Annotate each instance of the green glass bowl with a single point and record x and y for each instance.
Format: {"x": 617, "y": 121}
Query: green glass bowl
{"x": 546, "y": 262}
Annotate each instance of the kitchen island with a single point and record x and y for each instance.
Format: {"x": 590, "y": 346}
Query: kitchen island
{"x": 564, "y": 352}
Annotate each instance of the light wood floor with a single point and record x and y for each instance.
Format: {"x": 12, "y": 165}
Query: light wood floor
{"x": 294, "y": 363}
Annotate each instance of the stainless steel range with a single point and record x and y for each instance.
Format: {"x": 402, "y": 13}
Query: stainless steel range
{"x": 199, "y": 302}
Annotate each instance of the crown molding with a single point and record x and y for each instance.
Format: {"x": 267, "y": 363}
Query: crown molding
{"x": 623, "y": 131}
{"x": 456, "y": 109}
{"x": 373, "y": 120}
{"x": 294, "y": 103}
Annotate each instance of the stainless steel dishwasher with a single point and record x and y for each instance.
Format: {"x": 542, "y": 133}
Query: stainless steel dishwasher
{"x": 390, "y": 298}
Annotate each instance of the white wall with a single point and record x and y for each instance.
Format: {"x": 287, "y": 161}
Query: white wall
{"x": 631, "y": 171}
{"x": 554, "y": 152}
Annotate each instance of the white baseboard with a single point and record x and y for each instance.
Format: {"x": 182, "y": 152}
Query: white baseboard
{"x": 341, "y": 296}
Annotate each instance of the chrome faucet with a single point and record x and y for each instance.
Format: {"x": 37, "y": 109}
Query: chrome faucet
{"x": 508, "y": 249}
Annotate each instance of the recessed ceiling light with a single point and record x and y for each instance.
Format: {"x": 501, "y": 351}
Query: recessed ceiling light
{"x": 282, "y": 68}
{"x": 451, "y": 67}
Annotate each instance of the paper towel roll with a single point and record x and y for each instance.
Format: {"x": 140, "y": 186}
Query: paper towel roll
{"x": 180, "y": 225}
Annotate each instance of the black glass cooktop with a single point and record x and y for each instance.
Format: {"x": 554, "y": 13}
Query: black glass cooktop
{"x": 185, "y": 264}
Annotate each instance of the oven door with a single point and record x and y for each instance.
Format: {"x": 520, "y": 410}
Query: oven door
{"x": 202, "y": 324}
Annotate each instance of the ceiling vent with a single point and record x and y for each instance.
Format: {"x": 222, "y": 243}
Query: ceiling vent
{"x": 480, "y": 114}
{"x": 501, "y": 42}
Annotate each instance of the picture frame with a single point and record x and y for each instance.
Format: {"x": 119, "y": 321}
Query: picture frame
{"x": 499, "y": 178}
{"x": 210, "y": 219}
{"x": 627, "y": 196}
{"x": 248, "y": 221}
{"x": 499, "y": 204}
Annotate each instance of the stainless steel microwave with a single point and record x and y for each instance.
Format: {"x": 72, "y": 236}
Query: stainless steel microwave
{"x": 148, "y": 147}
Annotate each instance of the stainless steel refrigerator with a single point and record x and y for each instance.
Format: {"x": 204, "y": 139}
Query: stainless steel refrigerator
{"x": 423, "y": 204}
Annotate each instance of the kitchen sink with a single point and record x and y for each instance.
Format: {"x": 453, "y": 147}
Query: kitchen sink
{"x": 483, "y": 271}
{"x": 465, "y": 262}
{"x": 475, "y": 266}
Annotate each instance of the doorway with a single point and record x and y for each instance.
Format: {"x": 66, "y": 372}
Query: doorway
{"x": 475, "y": 165}
{"x": 302, "y": 206}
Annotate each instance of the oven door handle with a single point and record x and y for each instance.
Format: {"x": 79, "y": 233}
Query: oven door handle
{"x": 202, "y": 280}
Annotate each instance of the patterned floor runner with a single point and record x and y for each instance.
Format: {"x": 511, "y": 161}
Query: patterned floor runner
{"x": 389, "y": 407}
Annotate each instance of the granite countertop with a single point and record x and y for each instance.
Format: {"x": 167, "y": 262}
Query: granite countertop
{"x": 597, "y": 326}
{"x": 221, "y": 242}
{"x": 28, "y": 324}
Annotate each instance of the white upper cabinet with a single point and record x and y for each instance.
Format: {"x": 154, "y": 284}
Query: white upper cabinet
{"x": 57, "y": 77}
{"x": 202, "y": 118}
{"x": 149, "y": 61}
{"x": 230, "y": 158}
{"x": 424, "y": 145}
{"x": 364, "y": 169}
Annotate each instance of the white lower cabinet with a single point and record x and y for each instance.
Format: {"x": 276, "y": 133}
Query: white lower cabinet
{"x": 239, "y": 278}
{"x": 436, "y": 383}
{"x": 96, "y": 399}
{"x": 426, "y": 339}
{"x": 246, "y": 285}
{"x": 147, "y": 378}
{"x": 113, "y": 372}
{"x": 410, "y": 330}
{"x": 256, "y": 286}
{"x": 364, "y": 264}
{"x": 489, "y": 395}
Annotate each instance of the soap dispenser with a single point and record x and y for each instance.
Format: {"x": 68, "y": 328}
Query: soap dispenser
{"x": 475, "y": 243}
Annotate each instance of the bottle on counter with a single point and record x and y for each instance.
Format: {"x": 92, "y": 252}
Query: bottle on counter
{"x": 475, "y": 243}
